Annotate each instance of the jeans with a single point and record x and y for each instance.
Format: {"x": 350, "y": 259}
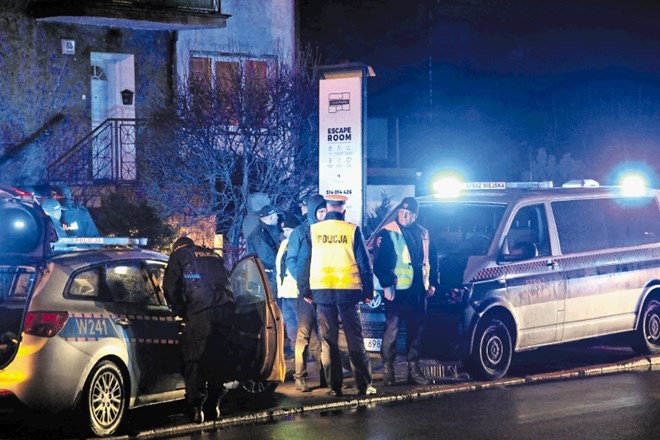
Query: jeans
{"x": 307, "y": 339}
{"x": 290, "y": 316}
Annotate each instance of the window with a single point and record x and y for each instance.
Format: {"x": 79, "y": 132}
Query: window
{"x": 530, "y": 226}
{"x": 461, "y": 228}
{"x": 215, "y": 84}
{"x": 85, "y": 284}
{"x": 130, "y": 283}
{"x": 596, "y": 224}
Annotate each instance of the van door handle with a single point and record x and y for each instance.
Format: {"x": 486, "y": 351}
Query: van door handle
{"x": 552, "y": 263}
{"x": 122, "y": 322}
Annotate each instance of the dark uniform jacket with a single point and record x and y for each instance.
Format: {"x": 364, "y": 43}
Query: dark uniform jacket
{"x": 337, "y": 296}
{"x": 196, "y": 280}
{"x": 299, "y": 234}
{"x": 264, "y": 241}
{"x": 385, "y": 258}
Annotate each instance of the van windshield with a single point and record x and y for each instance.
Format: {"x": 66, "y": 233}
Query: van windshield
{"x": 461, "y": 228}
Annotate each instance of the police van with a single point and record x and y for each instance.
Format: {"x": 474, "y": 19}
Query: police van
{"x": 527, "y": 265}
{"x": 85, "y": 328}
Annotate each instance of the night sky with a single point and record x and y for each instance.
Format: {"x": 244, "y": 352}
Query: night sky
{"x": 482, "y": 85}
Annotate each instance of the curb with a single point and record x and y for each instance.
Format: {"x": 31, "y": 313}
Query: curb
{"x": 421, "y": 393}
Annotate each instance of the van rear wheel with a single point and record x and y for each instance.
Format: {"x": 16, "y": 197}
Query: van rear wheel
{"x": 491, "y": 352}
{"x": 647, "y": 338}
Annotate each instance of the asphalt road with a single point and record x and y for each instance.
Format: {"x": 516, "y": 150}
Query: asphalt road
{"x": 616, "y": 407}
{"x": 556, "y": 364}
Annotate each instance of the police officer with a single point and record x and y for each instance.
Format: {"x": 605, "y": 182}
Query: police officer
{"x": 403, "y": 266}
{"x": 76, "y": 219}
{"x": 287, "y": 288}
{"x": 264, "y": 241}
{"x": 196, "y": 285}
{"x": 307, "y": 339}
{"x": 53, "y": 209}
{"x": 337, "y": 275}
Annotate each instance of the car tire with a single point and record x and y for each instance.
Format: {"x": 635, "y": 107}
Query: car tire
{"x": 491, "y": 352}
{"x": 647, "y": 336}
{"x": 258, "y": 388}
{"x": 104, "y": 399}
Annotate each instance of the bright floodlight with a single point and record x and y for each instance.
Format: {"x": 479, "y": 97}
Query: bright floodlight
{"x": 448, "y": 187}
{"x": 19, "y": 224}
{"x": 633, "y": 184}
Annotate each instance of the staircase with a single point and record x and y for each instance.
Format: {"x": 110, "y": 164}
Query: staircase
{"x": 102, "y": 161}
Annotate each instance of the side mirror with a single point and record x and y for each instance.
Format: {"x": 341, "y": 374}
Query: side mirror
{"x": 520, "y": 252}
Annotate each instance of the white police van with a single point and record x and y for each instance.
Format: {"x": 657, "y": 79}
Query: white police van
{"x": 87, "y": 329}
{"x": 527, "y": 265}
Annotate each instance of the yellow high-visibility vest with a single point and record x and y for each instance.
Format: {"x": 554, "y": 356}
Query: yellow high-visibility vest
{"x": 333, "y": 264}
{"x": 403, "y": 269}
{"x": 287, "y": 287}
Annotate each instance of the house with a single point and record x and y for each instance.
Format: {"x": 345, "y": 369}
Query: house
{"x": 79, "y": 77}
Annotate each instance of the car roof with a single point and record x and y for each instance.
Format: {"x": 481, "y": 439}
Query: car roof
{"x": 515, "y": 195}
{"x": 80, "y": 258}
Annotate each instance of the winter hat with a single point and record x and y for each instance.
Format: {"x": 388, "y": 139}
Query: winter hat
{"x": 290, "y": 221}
{"x": 181, "y": 242}
{"x": 410, "y": 204}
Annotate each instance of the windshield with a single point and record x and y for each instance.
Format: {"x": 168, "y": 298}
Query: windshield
{"x": 461, "y": 228}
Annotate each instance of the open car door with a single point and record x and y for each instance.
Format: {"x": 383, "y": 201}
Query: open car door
{"x": 259, "y": 339}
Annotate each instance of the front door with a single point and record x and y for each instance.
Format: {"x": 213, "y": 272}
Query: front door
{"x": 113, "y": 115}
{"x": 535, "y": 288}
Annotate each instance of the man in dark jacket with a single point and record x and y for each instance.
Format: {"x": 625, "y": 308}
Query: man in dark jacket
{"x": 196, "y": 286}
{"x": 264, "y": 241}
{"x": 307, "y": 341}
{"x": 336, "y": 274}
{"x": 406, "y": 267}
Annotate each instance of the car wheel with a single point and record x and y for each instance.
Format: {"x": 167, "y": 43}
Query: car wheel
{"x": 491, "y": 352}
{"x": 258, "y": 388}
{"x": 647, "y": 339}
{"x": 104, "y": 399}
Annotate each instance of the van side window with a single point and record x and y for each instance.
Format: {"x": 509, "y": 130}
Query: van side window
{"x": 596, "y": 224}
{"x": 530, "y": 226}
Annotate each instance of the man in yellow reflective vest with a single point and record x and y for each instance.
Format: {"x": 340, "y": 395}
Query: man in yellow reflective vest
{"x": 405, "y": 264}
{"x": 336, "y": 275}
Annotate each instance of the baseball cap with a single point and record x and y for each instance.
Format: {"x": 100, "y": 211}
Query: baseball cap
{"x": 267, "y": 210}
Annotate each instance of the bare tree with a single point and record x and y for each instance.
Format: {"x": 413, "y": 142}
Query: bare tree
{"x": 248, "y": 127}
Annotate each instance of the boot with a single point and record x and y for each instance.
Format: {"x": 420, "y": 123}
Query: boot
{"x": 196, "y": 414}
{"x": 388, "y": 375}
{"x": 301, "y": 385}
{"x": 212, "y": 404}
{"x": 416, "y": 375}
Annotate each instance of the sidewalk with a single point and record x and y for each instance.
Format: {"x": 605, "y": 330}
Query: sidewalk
{"x": 289, "y": 402}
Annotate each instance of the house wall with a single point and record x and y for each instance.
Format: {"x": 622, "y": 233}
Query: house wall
{"x": 256, "y": 28}
{"x": 38, "y": 83}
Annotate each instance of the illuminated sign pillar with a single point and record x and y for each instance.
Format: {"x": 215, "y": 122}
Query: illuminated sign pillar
{"x": 342, "y": 135}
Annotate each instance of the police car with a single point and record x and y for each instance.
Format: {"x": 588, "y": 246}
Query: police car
{"x": 524, "y": 265}
{"x": 84, "y": 326}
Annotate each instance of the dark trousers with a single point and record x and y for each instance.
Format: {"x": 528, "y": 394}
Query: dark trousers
{"x": 307, "y": 338}
{"x": 204, "y": 347}
{"x": 396, "y": 313}
{"x": 328, "y": 319}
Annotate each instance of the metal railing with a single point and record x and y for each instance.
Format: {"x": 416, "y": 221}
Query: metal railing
{"x": 188, "y": 5}
{"x": 107, "y": 155}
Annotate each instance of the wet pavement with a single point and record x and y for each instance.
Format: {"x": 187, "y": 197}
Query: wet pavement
{"x": 550, "y": 364}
